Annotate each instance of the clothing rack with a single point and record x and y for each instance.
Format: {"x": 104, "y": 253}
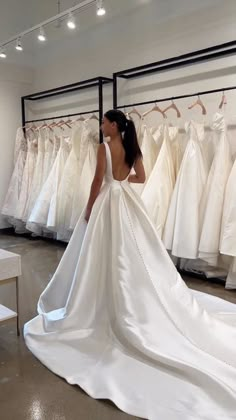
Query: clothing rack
{"x": 63, "y": 116}
{"x": 184, "y": 60}
{"x": 206, "y": 92}
{"x": 192, "y": 58}
{"x": 98, "y": 82}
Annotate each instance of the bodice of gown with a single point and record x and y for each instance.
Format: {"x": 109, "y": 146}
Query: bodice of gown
{"x": 176, "y": 147}
{"x": 195, "y": 131}
{"x": 47, "y": 156}
{"x": 76, "y": 138}
{"x": 32, "y": 146}
{"x": 56, "y": 147}
{"x": 149, "y": 146}
{"x": 41, "y": 146}
{"x": 89, "y": 138}
{"x": 20, "y": 143}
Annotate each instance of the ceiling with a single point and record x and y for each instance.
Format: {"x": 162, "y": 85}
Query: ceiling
{"x": 27, "y": 13}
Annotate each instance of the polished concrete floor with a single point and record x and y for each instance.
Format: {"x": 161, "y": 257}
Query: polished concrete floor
{"x": 29, "y": 391}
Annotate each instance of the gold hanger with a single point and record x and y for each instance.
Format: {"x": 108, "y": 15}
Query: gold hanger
{"x": 174, "y": 107}
{"x": 60, "y": 124}
{"x": 155, "y": 108}
{"x": 94, "y": 117}
{"x": 134, "y": 111}
{"x": 81, "y": 118}
{"x": 200, "y": 103}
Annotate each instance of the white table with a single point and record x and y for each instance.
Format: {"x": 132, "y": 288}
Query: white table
{"x": 10, "y": 270}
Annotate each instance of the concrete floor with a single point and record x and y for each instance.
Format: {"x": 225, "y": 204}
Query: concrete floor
{"x": 29, "y": 391}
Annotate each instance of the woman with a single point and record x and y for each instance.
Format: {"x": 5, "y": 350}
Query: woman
{"x": 118, "y": 320}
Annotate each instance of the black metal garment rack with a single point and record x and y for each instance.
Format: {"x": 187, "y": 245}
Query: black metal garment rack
{"x": 189, "y": 59}
{"x": 98, "y": 82}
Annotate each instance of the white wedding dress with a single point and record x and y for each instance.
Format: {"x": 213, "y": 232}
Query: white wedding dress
{"x": 86, "y": 170}
{"x": 228, "y": 229}
{"x": 26, "y": 183}
{"x": 118, "y": 320}
{"x": 45, "y": 207}
{"x": 149, "y": 139}
{"x": 14, "y": 189}
{"x": 69, "y": 186}
{"x": 213, "y": 196}
{"x": 182, "y": 229}
{"x": 47, "y": 163}
{"x": 160, "y": 184}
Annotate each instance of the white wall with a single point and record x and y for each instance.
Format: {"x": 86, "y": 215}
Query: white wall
{"x": 14, "y": 82}
{"x": 154, "y": 32}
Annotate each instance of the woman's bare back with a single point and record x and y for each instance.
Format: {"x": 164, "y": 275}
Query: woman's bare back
{"x": 120, "y": 168}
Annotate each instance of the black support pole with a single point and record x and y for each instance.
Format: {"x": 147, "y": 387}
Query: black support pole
{"x": 114, "y": 91}
{"x": 23, "y": 113}
{"x": 62, "y": 90}
{"x": 100, "y": 99}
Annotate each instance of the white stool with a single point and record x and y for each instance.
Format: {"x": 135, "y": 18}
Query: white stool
{"x": 10, "y": 269}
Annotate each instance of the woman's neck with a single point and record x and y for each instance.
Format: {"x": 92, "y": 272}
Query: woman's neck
{"x": 116, "y": 138}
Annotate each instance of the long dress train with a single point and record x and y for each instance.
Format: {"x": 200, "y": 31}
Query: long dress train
{"x": 117, "y": 319}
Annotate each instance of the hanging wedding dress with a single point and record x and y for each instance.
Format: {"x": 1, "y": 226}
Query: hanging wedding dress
{"x": 14, "y": 189}
{"x": 20, "y": 139}
{"x": 56, "y": 148}
{"x": 37, "y": 180}
{"x": 149, "y": 146}
{"x": 213, "y": 196}
{"x": 182, "y": 230}
{"x": 159, "y": 187}
{"x": 148, "y": 141}
{"x": 36, "y": 186}
{"x": 27, "y": 178}
{"x": 228, "y": 229}
{"x": 44, "y": 210}
{"x": 177, "y": 147}
{"x": 69, "y": 186}
{"x": 47, "y": 164}
{"x": 86, "y": 170}
{"x": 117, "y": 319}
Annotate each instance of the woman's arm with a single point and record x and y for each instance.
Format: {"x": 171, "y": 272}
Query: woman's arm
{"x": 97, "y": 180}
{"x": 139, "y": 177}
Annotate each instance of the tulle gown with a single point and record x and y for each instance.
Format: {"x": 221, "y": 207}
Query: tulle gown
{"x": 14, "y": 189}
{"x": 47, "y": 163}
{"x": 37, "y": 181}
{"x": 28, "y": 173}
{"x": 117, "y": 319}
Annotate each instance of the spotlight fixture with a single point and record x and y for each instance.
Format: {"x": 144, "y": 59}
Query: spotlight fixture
{"x": 2, "y": 53}
{"x": 71, "y": 21}
{"x": 41, "y": 35}
{"x": 101, "y": 11}
{"x": 19, "y": 44}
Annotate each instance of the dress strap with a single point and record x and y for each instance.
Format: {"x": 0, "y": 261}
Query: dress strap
{"x": 109, "y": 161}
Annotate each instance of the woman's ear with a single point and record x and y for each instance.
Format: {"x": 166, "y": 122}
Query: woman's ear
{"x": 114, "y": 125}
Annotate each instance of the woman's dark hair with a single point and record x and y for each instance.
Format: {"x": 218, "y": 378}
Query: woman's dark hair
{"x": 128, "y": 132}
